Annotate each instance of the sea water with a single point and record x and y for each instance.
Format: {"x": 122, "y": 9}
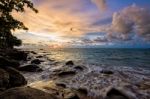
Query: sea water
{"x": 103, "y": 56}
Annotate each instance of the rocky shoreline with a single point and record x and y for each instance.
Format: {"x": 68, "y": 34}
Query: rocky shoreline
{"x": 30, "y": 75}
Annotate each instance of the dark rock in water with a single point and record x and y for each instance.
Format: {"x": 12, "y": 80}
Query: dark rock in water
{"x": 4, "y": 80}
{"x": 36, "y": 61}
{"x": 78, "y": 68}
{"x": 73, "y": 97}
{"x": 17, "y": 55}
{"x": 82, "y": 91}
{"x": 61, "y": 85}
{"x": 29, "y": 58}
{"x": 39, "y": 56}
{"x": 107, "y": 72}
{"x": 69, "y": 63}
{"x": 116, "y": 94}
{"x": 41, "y": 49}
{"x": 30, "y": 68}
{"x": 16, "y": 79}
{"x": 33, "y": 52}
{"x": 4, "y": 62}
{"x": 66, "y": 73}
{"x": 25, "y": 93}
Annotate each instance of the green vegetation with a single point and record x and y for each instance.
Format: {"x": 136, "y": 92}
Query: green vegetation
{"x": 8, "y": 23}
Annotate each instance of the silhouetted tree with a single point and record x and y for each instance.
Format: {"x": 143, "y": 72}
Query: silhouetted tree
{"x": 9, "y": 23}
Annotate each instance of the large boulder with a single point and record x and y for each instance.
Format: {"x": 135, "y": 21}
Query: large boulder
{"x": 4, "y": 62}
{"x": 25, "y": 93}
{"x": 16, "y": 79}
{"x": 4, "y": 80}
{"x": 30, "y": 68}
{"x": 17, "y": 55}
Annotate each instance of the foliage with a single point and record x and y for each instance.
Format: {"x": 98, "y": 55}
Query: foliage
{"x": 9, "y": 23}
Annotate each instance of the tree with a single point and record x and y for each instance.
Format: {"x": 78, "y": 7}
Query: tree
{"x": 8, "y": 23}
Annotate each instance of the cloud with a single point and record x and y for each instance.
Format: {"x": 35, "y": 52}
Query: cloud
{"x": 70, "y": 20}
{"x": 96, "y": 40}
{"x": 101, "y": 4}
{"x": 64, "y": 18}
{"x": 132, "y": 19}
{"x": 101, "y": 40}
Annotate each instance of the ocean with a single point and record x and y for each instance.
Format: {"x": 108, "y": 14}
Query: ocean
{"x": 103, "y": 56}
{"x": 129, "y": 68}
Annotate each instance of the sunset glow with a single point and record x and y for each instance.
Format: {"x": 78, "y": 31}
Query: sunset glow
{"x": 87, "y": 22}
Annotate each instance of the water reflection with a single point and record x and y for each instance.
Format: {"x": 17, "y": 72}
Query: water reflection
{"x": 108, "y": 57}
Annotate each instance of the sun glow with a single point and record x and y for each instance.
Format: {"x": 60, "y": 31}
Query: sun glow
{"x": 56, "y": 46}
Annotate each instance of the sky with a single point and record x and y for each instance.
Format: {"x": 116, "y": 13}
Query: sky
{"x": 87, "y": 23}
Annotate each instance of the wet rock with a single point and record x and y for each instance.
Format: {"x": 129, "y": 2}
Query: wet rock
{"x": 39, "y": 56}
{"x": 36, "y": 61}
{"x": 69, "y": 63}
{"x": 82, "y": 91}
{"x": 68, "y": 94}
{"x": 106, "y": 72}
{"x": 16, "y": 79}
{"x": 78, "y": 68}
{"x": 61, "y": 85}
{"x": 66, "y": 73}
{"x": 116, "y": 94}
{"x": 4, "y": 79}
{"x": 4, "y": 62}
{"x": 25, "y": 93}
{"x": 30, "y": 68}
{"x": 17, "y": 55}
{"x": 41, "y": 49}
{"x": 29, "y": 58}
{"x": 33, "y": 52}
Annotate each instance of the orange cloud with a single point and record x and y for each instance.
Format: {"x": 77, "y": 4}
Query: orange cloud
{"x": 58, "y": 18}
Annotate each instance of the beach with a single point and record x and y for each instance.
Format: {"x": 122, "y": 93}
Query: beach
{"x": 96, "y": 79}
{"x": 64, "y": 77}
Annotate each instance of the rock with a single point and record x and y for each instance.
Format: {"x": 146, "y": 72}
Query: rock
{"x": 66, "y": 73}
{"x": 29, "y": 58}
{"x": 4, "y": 62}
{"x": 39, "y": 56}
{"x": 78, "y": 68}
{"x": 17, "y": 55}
{"x": 69, "y": 63}
{"x": 16, "y": 79}
{"x": 33, "y": 52}
{"x": 36, "y": 61}
{"x": 68, "y": 94}
{"x": 30, "y": 68}
{"x": 116, "y": 94}
{"x": 82, "y": 91}
{"x": 61, "y": 85}
{"x": 41, "y": 49}
{"x": 107, "y": 72}
{"x": 4, "y": 80}
{"x": 25, "y": 93}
